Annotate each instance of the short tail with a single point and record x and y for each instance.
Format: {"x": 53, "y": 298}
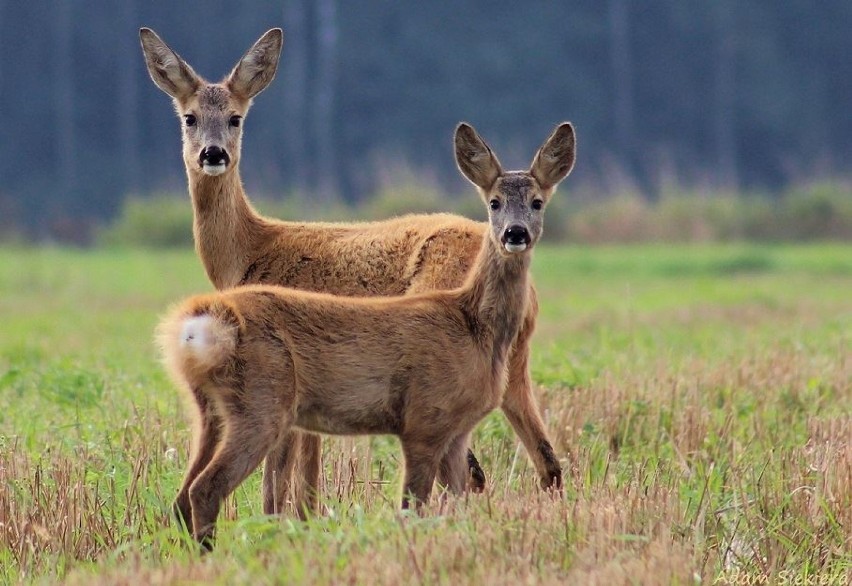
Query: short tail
{"x": 198, "y": 337}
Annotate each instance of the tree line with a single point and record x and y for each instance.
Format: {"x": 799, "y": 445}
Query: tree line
{"x": 731, "y": 94}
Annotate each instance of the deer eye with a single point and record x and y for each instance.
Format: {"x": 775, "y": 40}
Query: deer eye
{"x": 235, "y": 121}
{"x": 537, "y": 204}
{"x": 495, "y": 204}
{"x": 189, "y": 119}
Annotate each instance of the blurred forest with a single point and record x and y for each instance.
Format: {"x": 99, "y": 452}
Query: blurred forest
{"x": 731, "y": 95}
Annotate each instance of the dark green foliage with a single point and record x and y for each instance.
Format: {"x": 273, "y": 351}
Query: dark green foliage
{"x": 812, "y": 212}
{"x": 154, "y": 222}
{"x": 817, "y": 212}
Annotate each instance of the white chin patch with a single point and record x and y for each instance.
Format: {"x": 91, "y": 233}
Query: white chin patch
{"x": 214, "y": 169}
{"x": 515, "y": 247}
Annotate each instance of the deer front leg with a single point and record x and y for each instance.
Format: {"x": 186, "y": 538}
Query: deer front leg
{"x": 459, "y": 469}
{"x": 206, "y": 440}
{"x": 522, "y": 410}
{"x": 421, "y": 467}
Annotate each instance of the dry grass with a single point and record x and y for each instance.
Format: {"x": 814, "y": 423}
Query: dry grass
{"x": 704, "y": 422}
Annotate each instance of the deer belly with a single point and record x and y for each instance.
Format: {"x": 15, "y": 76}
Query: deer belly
{"x": 346, "y": 418}
{"x": 348, "y": 401}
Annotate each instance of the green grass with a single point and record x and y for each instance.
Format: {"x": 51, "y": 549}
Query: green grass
{"x": 699, "y": 398}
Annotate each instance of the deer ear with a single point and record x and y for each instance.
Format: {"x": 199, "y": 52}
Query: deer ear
{"x": 555, "y": 159}
{"x": 475, "y": 159}
{"x": 257, "y": 68}
{"x": 171, "y": 73}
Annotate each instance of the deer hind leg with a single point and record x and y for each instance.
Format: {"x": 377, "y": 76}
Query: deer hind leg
{"x": 249, "y": 431}
{"x": 207, "y": 437}
{"x": 522, "y": 410}
{"x": 311, "y": 464}
{"x": 278, "y": 473}
{"x": 459, "y": 469}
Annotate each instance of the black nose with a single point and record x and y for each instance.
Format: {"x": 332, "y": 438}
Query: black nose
{"x": 214, "y": 155}
{"x": 516, "y": 235}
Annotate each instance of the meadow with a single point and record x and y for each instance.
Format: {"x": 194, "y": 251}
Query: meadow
{"x": 699, "y": 397}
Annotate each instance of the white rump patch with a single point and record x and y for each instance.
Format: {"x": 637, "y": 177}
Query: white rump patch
{"x": 195, "y": 334}
{"x": 200, "y": 343}
{"x": 515, "y": 247}
{"x": 214, "y": 170}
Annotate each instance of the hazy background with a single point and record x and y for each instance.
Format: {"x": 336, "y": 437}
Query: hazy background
{"x": 724, "y": 97}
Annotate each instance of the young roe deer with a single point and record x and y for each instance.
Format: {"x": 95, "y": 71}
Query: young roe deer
{"x": 402, "y": 256}
{"x": 426, "y": 368}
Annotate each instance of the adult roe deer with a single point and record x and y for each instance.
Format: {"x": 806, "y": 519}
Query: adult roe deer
{"x": 426, "y": 368}
{"x": 401, "y": 256}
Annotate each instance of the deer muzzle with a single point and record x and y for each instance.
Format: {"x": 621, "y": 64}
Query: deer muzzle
{"x": 214, "y": 160}
{"x": 516, "y": 238}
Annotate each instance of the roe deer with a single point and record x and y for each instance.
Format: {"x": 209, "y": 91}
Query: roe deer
{"x": 426, "y": 368}
{"x": 406, "y": 255}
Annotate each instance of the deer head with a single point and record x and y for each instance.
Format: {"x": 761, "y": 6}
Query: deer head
{"x": 212, "y": 113}
{"x": 515, "y": 199}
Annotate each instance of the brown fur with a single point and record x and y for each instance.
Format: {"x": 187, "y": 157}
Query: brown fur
{"x": 402, "y": 256}
{"x": 424, "y": 367}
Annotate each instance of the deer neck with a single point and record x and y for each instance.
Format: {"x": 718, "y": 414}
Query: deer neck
{"x": 225, "y": 226}
{"x": 495, "y": 299}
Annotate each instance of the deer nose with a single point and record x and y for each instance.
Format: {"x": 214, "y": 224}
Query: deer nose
{"x": 516, "y": 234}
{"x": 214, "y": 155}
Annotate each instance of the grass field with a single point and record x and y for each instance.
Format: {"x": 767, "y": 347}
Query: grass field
{"x": 700, "y": 399}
